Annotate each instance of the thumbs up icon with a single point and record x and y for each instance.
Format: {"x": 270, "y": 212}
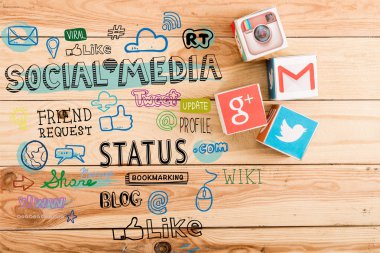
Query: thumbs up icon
{"x": 131, "y": 232}
{"x": 120, "y": 121}
{"x": 75, "y": 51}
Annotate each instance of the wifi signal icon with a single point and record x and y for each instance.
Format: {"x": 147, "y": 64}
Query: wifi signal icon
{"x": 171, "y": 21}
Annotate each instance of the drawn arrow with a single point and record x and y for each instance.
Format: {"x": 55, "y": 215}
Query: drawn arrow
{"x": 25, "y": 183}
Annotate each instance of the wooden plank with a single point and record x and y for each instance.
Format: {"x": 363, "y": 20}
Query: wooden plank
{"x": 345, "y": 128}
{"x": 330, "y": 239}
{"x": 300, "y": 18}
{"x": 307, "y": 195}
{"x": 342, "y": 66}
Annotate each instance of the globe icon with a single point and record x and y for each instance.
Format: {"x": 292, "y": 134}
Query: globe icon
{"x": 34, "y": 155}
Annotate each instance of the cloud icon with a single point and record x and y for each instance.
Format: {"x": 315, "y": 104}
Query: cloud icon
{"x": 104, "y": 101}
{"x": 159, "y": 43}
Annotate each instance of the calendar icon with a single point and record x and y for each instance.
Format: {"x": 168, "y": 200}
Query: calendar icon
{"x": 241, "y": 109}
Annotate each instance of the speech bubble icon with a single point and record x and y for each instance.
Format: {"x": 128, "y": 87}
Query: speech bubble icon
{"x": 63, "y": 154}
{"x": 78, "y": 151}
{"x": 110, "y": 64}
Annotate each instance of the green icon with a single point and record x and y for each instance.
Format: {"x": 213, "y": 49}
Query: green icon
{"x": 76, "y": 34}
{"x": 166, "y": 120}
{"x": 195, "y": 105}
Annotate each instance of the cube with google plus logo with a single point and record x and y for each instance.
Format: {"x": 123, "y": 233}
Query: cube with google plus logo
{"x": 241, "y": 109}
{"x": 287, "y": 131}
{"x": 259, "y": 34}
{"x": 292, "y": 77}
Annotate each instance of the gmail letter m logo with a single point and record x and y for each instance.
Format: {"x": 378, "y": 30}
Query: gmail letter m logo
{"x": 290, "y": 81}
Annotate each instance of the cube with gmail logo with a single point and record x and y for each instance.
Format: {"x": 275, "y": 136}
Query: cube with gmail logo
{"x": 287, "y": 131}
{"x": 241, "y": 109}
{"x": 259, "y": 34}
{"x": 292, "y": 77}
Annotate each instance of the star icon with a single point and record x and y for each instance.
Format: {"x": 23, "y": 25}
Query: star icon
{"x": 71, "y": 216}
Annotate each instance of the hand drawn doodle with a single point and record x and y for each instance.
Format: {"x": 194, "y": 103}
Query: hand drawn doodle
{"x": 61, "y": 181}
{"x": 70, "y": 152}
{"x": 195, "y": 105}
{"x": 207, "y": 151}
{"x": 25, "y": 36}
{"x": 52, "y": 45}
{"x": 171, "y": 21}
{"x": 76, "y": 34}
{"x": 34, "y": 155}
{"x": 166, "y": 120}
{"x": 71, "y": 216}
{"x": 19, "y": 117}
{"x": 129, "y": 231}
{"x": 110, "y": 64}
{"x": 157, "y": 202}
{"x": 116, "y": 32}
{"x": 170, "y": 228}
{"x": 108, "y": 200}
{"x": 121, "y": 121}
{"x": 130, "y": 74}
{"x": 204, "y": 198}
{"x": 156, "y": 178}
{"x": 230, "y": 179}
{"x": 105, "y": 101}
{"x": 202, "y": 38}
{"x": 34, "y": 202}
{"x": 58, "y": 117}
{"x": 133, "y": 156}
{"x": 159, "y": 43}
{"x": 194, "y": 125}
{"x": 93, "y": 49}
{"x": 25, "y": 183}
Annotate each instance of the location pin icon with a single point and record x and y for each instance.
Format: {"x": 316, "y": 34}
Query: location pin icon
{"x": 52, "y": 45}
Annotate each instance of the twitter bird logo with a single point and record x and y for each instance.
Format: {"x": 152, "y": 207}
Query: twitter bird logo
{"x": 289, "y": 134}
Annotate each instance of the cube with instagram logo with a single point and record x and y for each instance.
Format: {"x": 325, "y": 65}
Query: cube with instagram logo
{"x": 241, "y": 109}
{"x": 259, "y": 34}
{"x": 292, "y": 77}
{"x": 287, "y": 131}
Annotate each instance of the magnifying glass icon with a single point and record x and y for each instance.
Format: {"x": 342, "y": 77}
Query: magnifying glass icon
{"x": 52, "y": 45}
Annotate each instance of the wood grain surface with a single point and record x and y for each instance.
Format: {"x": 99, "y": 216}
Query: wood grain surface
{"x": 328, "y": 202}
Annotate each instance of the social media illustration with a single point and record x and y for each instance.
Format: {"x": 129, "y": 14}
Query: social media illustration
{"x": 241, "y": 109}
{"x": 104, "y": 101}
{"x": 147, "y": 41}
{"x": 52, "y": 45}
{"x": 121, "y": 121}
{"x": 204, "y": 198}
{"x": 70, "y": 152}
{"x": 171, "y": 21}
{"x": 33, "y": 155}
{"x": 288, "y": 131}
{"x": 22, "y": 36}
{"x": 197, "y": 38}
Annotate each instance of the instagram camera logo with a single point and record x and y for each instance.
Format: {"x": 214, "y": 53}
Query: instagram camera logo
{"x": 262, "y": 33}
{"x": 241, "y": 109}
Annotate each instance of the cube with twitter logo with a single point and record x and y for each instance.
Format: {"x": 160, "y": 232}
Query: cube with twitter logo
{"x": 287, "y": 131}
{"x": 292, "y": 77}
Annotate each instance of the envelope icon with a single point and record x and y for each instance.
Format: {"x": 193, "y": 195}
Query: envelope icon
{"x": 283, "y": 71}
{"x": 22, "y": 36}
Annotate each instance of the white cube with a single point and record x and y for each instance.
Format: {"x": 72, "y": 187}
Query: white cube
{"x": 259, "y": 34}
{"x": 292, "y": 77}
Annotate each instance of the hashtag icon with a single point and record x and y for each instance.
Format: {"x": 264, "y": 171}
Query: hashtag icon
{"x": 116, "y": 32}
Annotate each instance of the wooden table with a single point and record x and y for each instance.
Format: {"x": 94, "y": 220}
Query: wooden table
{"x": 328, "y": 202}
